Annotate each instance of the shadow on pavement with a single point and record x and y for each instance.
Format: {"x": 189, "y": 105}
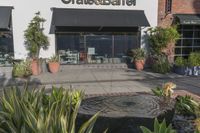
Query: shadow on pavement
{"x": 8, "y": 82}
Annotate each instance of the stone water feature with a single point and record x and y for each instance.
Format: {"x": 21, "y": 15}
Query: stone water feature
{"x": 125, "y": 113}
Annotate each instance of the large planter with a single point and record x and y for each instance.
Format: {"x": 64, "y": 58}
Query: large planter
{"x": 199, "y": 70}
{"x": 189, "y": 71}
{"x": 181, "y": 70}
{"x": 195, "y": 71}
{"x": 139, "y": 65}
{"x": 54, "y": 67}
{"x": 35, "y": 67}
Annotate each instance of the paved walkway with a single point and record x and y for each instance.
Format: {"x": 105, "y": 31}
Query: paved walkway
{"x": 104, "y": 79}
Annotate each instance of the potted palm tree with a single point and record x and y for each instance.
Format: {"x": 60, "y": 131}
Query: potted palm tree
{"x": 139, "y": 58}
{"x": 35, "y": 39}
{"x": 54, "y": 64}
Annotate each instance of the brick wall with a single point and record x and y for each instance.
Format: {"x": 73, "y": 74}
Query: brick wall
{"x": 178, "y": 7}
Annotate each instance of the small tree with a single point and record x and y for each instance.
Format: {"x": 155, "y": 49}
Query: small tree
{"x": 161, "y": 37}
{"x": 162, "y": 40}
{"x": 35, "y": 39}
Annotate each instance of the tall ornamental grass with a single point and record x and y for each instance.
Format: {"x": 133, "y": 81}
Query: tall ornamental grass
{"x": 25, "y": 111}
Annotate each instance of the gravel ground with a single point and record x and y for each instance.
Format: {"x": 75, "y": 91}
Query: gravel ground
{"x": 183, "y": 124}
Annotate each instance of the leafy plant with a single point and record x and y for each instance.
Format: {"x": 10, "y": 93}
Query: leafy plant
{"x": 186, "y": 105}
{"x": 35, "y": 39}
{"x": 161, "y": 64}
{"x": 197, "y": 131}
{"x": 138, "y": 54}
{"x": 158, "y": 91}
{"x": 180, "y": 61}
{"x": 54, "y": 58}
{"x": 22, "y": 69}
{"x": 197, "y": 124}
{"x": 159, "y": 128}
{"x": 194, "y": 59}
{"x": 23, "y": 111}
{"x": 161, "y": 37}
{"x": 165, "y": 91}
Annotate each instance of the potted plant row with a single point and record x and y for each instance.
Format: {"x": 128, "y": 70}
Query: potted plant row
{"x": 139, "y": 58}
{"x": 190, "y": 66}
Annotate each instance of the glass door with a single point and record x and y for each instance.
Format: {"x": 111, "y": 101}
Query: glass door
{"x": 99, "y": 48}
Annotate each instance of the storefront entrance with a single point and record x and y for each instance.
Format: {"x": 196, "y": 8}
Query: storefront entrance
{"x": 95, "y": 48}
{"x": 96, "y": 36}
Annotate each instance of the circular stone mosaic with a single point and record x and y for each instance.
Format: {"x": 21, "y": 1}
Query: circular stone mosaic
{"x": 120, "y": 106}
{"x": 126, "y": 112}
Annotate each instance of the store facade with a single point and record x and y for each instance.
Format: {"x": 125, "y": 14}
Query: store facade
{"x": 185, "y": 14}
{"x": 85, "y": 31}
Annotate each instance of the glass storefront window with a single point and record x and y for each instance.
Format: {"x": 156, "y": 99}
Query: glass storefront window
{"x": 197, "y": 42}
{"x": 95, "y": 47}
{"x": 187, "y": 34}
{"x": 6, "y": 49}
{"x": 189, "y": 41}
{"x": 178, "y": 51}
{"x": 99, "y": 48}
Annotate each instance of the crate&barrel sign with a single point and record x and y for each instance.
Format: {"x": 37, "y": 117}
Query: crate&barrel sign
{"x": 102, "y": 2}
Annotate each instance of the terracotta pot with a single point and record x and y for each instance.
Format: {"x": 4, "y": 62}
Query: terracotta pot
{"x": 139, "y": 64}
{"x": 35, "y": 67}
{"x": 54, "y": 67}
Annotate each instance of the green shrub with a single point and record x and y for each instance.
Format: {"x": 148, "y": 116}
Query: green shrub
{"x": 22, "y": 69}
{"x": 180, "y": 61}
{"x": 159, "y": 128}
{"x": 161, "y": 37}
{"x": 194, "y": 59}
{"x": 197, "y": 124}
{"x": 197, "y": 131}
{"x": 186, "y": 105}
{"x": 161, "y": 64}
{"x": 158, "y": 92}
{"x": 23, "y": 111}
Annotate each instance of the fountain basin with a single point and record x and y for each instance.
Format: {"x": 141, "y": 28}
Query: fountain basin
{"x": 126, "y": 113}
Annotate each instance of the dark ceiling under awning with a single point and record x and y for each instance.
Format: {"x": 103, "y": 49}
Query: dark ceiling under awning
{"x": 5, "y": 17}
{"x": 73, "y": 19}
{"x": 188, "y": 19}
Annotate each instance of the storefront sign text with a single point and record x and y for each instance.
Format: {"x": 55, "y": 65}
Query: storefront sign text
{"x": 101, "y": 2}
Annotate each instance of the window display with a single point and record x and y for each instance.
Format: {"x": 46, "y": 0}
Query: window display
{"x": 95, "y": 47}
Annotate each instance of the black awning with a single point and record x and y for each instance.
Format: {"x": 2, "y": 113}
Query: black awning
{"x": 60, "y": 29}
{"x": 97, "y": 18}
{"x": 188, "y": 19}
{"x": 5, "y": 17}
